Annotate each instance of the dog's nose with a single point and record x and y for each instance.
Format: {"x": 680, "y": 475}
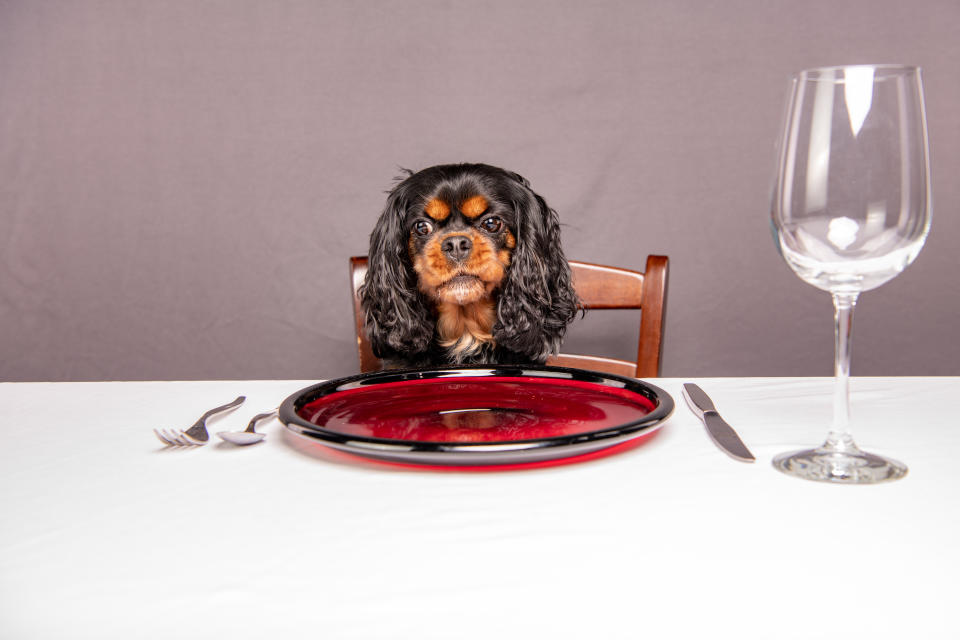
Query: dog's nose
{"x": 456, "y": 248}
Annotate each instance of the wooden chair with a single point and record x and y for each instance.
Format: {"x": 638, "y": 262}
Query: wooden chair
{"x": 599, "y": 287}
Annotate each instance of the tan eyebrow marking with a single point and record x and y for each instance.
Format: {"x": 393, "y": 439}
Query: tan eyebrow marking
{"x": 475, "y": 206}
{"x": 437, "y": 209}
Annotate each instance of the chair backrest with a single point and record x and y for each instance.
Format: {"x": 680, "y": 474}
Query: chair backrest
{"x": 599, "y": 287}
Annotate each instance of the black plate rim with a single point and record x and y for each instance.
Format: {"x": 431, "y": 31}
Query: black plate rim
{"x": 533, "y": 448}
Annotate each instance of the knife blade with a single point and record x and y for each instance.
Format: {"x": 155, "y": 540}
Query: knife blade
{"x": 720, "y": 432}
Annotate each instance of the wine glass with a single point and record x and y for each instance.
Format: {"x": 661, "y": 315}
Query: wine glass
{"x": 850, "y": 210}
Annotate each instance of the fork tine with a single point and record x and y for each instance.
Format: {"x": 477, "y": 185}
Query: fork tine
{"x": 171, "y": 437}
{"x": 184, "y": 440}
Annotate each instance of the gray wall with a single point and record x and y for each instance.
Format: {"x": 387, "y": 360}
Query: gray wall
{"x": 181, "y": 182}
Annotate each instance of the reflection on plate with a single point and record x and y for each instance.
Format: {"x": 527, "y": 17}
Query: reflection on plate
{"x": 466, "y": 416}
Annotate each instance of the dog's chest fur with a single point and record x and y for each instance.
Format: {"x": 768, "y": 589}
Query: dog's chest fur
{"x": 465, "y": 329}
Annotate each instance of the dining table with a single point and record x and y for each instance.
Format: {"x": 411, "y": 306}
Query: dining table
{"x": 105, "y": 532}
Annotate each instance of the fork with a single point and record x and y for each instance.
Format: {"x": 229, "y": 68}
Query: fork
{"x": 197, "y": 434}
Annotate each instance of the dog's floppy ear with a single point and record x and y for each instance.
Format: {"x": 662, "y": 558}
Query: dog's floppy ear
{"x": 537, "y": 300}
{"x": 397, "y": 320}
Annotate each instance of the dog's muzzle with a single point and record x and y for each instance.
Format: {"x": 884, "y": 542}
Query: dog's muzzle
{"x": 462, "y": 289}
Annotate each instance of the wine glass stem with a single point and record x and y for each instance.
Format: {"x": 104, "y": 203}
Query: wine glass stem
{"x": 839, "y": 438}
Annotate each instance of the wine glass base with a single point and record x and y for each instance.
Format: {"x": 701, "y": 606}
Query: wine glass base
{"x": 853, "y": 466}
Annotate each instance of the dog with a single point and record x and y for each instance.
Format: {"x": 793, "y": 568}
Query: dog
{"x": 465, "y": 267}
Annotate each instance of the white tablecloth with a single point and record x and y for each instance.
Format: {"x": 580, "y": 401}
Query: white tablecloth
{"x": 107, "y": 534}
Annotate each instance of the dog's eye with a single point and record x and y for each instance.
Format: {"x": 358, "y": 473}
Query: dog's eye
{"x": 492, "y": 224}
{"x": 422, "y": 228}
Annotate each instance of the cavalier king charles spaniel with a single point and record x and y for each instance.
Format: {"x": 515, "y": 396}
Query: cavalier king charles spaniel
{"x": 465, "y": 267}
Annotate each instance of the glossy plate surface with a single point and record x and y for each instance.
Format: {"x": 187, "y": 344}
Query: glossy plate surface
{"x": 468, "y": 416}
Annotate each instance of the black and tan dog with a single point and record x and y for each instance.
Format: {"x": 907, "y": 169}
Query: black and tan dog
{"x": 465, "y": 267}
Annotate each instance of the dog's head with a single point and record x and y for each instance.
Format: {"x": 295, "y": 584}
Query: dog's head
{"x": 466, "y": 257}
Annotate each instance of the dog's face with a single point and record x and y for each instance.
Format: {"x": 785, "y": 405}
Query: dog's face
{"x": 465, "y": 265}
{"x": 460, "y": 241}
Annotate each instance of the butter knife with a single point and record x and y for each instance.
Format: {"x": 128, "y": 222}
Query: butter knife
{"x": 720, "y": 432}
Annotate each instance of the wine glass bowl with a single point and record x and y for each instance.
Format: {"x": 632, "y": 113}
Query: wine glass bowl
{"x": 850, "y": 210}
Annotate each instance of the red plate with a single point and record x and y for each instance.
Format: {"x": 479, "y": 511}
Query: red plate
{"x": 476, "y": 415}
